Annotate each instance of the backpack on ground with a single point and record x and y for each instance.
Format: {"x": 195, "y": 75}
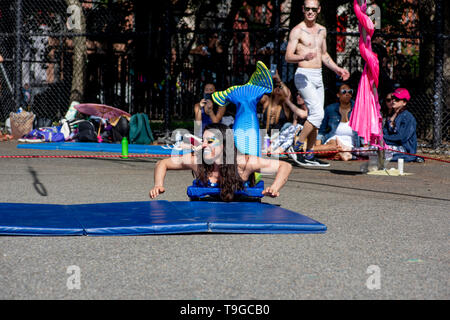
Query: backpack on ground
{"x": 140, "y": 131}
{"x": 120, "y": 130}
{"x": 86, "y": 132}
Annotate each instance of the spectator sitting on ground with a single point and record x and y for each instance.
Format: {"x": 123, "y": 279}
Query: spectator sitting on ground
{"x": 386, "y": 107}
{"x": 205, "y": 112}
{"x": 286, "y": 137}
{"x": 276, "y": 114}
{"x": 335, "y": 133}
{"x": 399, "y": 131}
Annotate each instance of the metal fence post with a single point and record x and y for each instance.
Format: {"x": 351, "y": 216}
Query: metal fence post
{"x": 18, "y": 55}
{"x": 276, "y": 26}
{"x": 167, "y": 64}
{"x": 438, "y": 74}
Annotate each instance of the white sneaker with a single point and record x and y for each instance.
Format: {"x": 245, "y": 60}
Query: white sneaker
{"x": 291, "y": 153}
{"x": 316, "y": 162}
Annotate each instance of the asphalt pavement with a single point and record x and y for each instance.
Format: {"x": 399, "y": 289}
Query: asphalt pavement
{"x": 387, "y": 237}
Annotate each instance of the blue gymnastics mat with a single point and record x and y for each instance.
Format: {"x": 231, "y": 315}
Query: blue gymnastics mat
{"x": 151, "y": 217}
{"x": 37, "y": 220}
{"x": 100, "y": 147}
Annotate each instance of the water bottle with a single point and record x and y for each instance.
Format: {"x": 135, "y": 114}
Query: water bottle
{"x": 124, "y": 148}
{"x": 400, "y": 163}
{"x": 266, "y": 143}
{"x": 178, "y": 138}
{"x": 373, "y": 162}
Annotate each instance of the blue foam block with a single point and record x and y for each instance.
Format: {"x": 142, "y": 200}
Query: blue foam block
{"x": 197, "y": 191}
{"x": 101, "y": 147}
{"x": 152, "y": 217}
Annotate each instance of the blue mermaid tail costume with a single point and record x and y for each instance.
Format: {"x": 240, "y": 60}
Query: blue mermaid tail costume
{"x": 246, "y": 98}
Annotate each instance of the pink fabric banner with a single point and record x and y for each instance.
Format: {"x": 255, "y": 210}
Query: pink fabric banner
{"x": 366, "y": 118}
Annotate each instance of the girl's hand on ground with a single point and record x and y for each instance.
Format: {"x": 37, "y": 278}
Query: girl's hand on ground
{"x": 156, "y": 191}
{"x": 271, "y": 192}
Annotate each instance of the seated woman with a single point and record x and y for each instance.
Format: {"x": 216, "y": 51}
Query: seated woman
{"x": 386, "y": 107}
{"x": 399, "y": 131}
{"x": 335, "y": 134}
{"x": 205, "y": 112}
{"x": 286, "y": 137}
{"x": 219, "y": 163}
{"x": 276, "y": 114}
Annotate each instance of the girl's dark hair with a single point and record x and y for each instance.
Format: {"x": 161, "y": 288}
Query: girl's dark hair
{"x": 384, "y": 110}
{"x": 229, "y": 179}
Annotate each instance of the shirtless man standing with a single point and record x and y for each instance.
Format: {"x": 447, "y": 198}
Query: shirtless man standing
{"x": 307, "y": 47}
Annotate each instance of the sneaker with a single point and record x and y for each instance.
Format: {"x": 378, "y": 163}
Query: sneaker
{"x": 291, "y": 153}
{"x": 300, "y": 160}
{"x": 298, "y": 147}
{"x": 316, "y": 162}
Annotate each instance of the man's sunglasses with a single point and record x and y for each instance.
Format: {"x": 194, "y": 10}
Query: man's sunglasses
{"x": 311, "y": 8}
{"x": 349, "y": 91}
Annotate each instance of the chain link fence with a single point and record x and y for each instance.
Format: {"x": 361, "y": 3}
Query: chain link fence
{"x": 137, "y": 59}
{"x": 58, "y": 51}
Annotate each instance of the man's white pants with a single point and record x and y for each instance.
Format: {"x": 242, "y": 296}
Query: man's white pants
{"x": 310, "y": 85}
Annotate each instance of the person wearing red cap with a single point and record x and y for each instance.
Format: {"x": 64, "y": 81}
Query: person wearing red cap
{"x": 399, "y": 131}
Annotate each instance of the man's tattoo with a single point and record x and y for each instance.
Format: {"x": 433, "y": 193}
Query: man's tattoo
{"x": 320, "y": 30}
{"x": 305, "y": 30}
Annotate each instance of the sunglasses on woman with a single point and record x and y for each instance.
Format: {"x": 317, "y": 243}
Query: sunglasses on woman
{"x": 213, "y": 140}
{"x": 278, "y": 85}
{"x": 311, "y": 8}
{"x": 349, "y": 91}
